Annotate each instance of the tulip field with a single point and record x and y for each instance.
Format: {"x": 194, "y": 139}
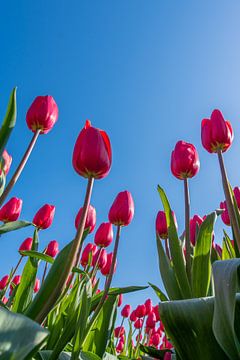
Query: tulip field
{"x": 63, "y": 312}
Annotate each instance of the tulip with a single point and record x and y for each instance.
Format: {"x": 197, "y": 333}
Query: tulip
{"x": 11, "y": 210}
{"x": 155, "y": 339}
{"x": 16, "y": 281}
{"x": 5, "y": 300}
{"x": 104, "y": 235}
{"x": 3, "y": 282}
{"x": 133, "y": 316}
{"x": 149, "y": 306}
{"x": 106, "y": 269}
{"x": 36, "y": 286}
{"x": 122, "y": 210}
{"x": 87, "y": 254}
{"x": 167, "y": 356}
{"x": 90, "y": 220}
{"x": 44, "y": 217}
{"x": 216, "y": 134}
{"x": 195, "y": 223}
{"x": 120, "y": 300}
{"x": 7, "y": 161}
{"x": 184, "y": 160}
{"x": 92, "y": 154}
{"x": 218, "y": 249}
{"x": 156, "y": 311}
{"x": 138, "y": 324}
{"x": 126, "y": 311}
{"x": 151, "y": 320}
{"x": 236, "y": 192}
{"x": 161, "y": 224}
{"x": 119, "y": 331}
{"x": 225, "y": 216}
{"x": 52, "y": 248}
{"x": 42, "y": 114}
{"x": 100, "y": 259}
{"x": 139, "y": 337}
{"x": 140, "y": 311}
{"x": 120, "y": 347}
{"x": 26, "y": 245}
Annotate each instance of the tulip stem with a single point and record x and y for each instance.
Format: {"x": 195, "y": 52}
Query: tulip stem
{"x": 12, "y": 275}
{"x": 228, "y": 197}
{"x": 167, "y": 249}
{"x": 71, "y": 260}
{"x": 44, "y": 272}
{"x": 20, "y": 167}
{"x": 187, "y": 229}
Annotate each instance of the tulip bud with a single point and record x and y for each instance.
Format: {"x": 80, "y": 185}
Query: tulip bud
{"x": 11, "y": 210}
{"x": 120, "y": 347}
{"x": 5, "y": 300}
{"x": 236, "y": 191}
{"x": 104, "y": 235}
{"x": 16, "y": 281}
{"x": 140, "y": 311}
{"x": 155, "y": 339}
{"x": 36, "y": 286}
{"x": 216, "y": 133}
{"x": 52, "y": 248}
{"x": 218, "y": 249}
{"x": 138, "y": 324}
{"x": 133, "y": 316}
{"x": 195, "y": 222}
{"x": 122, "y": 209}
{"x": 161, "y": 224}
{"x": 126, "y": 311}
{"x": 151, "y": 320}
{"x": 42, "y": 114}
{"x": 225, "y": 216}
{"x": 139, "y": 337}
{"x": 156, "y": 311}
{"x": 184, "y": 160}
{"x": 90, "y": 220}
{"x": 26, "y": 245}
{"x": 100, "y": 259}
{"x": 120, "y": 300}
{"x": 119, "y": 331}
{"x": 92, "y": 154}
{"x": 7, "y": 161}
{"x": 106, "y": 269}
{"x": 3, "y": 282}
{"x": 167, "y": 356}
{"x": 44, "y": 217}
{"x": 148, "y": 306}
{"x": 87, "y": 254}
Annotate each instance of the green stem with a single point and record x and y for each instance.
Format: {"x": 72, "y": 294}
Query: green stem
{"x": 12, "y": 275}
{"x": 187, "y": 229}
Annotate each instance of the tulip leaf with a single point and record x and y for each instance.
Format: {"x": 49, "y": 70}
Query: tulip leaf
{"x": 19, "y": 336}
{"x": 159, "y": 292}
{"x": 38, "y": 255}
{"x": 228, "y": 251}
{"x": 175, "y": 249}
{"x": 13, "y": 225}
{"x": 84, "y": 355}
{"x": 201, "y": 266}
{"x": 153, "y": 352}
{"x": 9, "y": 121}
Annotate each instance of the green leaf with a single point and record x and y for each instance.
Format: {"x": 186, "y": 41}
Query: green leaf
{"x": 85, "y": 355}
{"x": 19, "y": 336}
{"x": 175, "y": 249}
{"x": 9, "y": 120}
{"x": 159, "y": 292}
{"x": 228, "y": 251}
{"x": 38, "y": 255}
{"x": 13, "y": 225}
{"x": 226, "y": 284}
{"x": 201, "y": 266}
{"x": 153, "y": 352}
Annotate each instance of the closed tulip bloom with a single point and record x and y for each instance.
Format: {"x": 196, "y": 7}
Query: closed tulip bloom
{"x": 140, "y": 311}
{"x": 156, "y": 311}
{"x": 122, "y": 209}
{"x": 100, "y": 258}
{"x": 167, "y": 356}
{"x": 161, "y": 224}
{"x": 194, "y": 222}
{"x": 218, "y": 249}
{"x": 26, "y": 245}
{"x": 42, "y": 114}
{"x": 7, "y": 161}
{"x": 3, "y": 282}
{"x": 16, "y": 281}
{"x": 5, "y": 300}
{"x": 90, "y": 220}
{"x": 119, "y": 331}
{"x": 88, "y": 253}
{"x": 151, "y": 320}
{"x": 133, "y": 316}
{"x": 139, "y": 337}
{"x": 36, "y": 286}
{"x": 92, "y": 154}
{"x": 225, "y": 216}
{"x": 106, "y": 269}
{"x": 138, "y": 324}
{"x": 52, "y": 248}
{"x": 216, "y": 133}
{"x": 120, "y": 347}
{"x": 126, "y": 311}
{"x": 104, "y": 235}
{"x": 120, "y": 300}
{"x": 11, "y": 210}
{"x": 236, "y": 192}
{"x": 44, "y": 217}
{"x": 155, "y": 339}
{"x": 149, "y": 306}
{"x": 184, "y": 160}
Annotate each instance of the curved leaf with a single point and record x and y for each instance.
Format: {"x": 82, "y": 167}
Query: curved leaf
{"x": 9, "y": 120}
{"x": 13, "y": 225}
{"x": 38, "y": 255}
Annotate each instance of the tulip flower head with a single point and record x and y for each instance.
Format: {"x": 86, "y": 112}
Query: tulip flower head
{"x": 104, "y": 235}
{"x": 195, "y": 223}
{"x": 106, "y": 269}
{"x": 90, "y": 220}
{"x": 122, "y": 210}
{"x": 138, "y": 324}
{"x": 126, "y": 311}
{"x": 236, "y": 192}
{"x": 42, "y": 114}
{"x": 119, "y": 331}
{"x": 36, "y": 286}
{"x": 7, "y": 161}
{"x": 133, "y": 316}
{"x": 92, "y": 154}
{"x": 161, "y": 224}
{"x": 149, "y": 306}
{"x": 5, "y": 300}
{"x": 11, "y": 210}
{"x": 184, "y": 160}
{"x": 151, "y": 320}
{"x": 140, "y": 311}
{"x": 44, "y": 217}
{"x": 52, "y": 248}
{"x": 3, "y": 282}
{"x": 225, "y": 216}
{"x": 216, "y": 133}
{"x": 156, "y": 311}
{"x": 26, "y": 245}
{"x": 120, "y": 300}
{"x": 87, "y": 254}
{"x": 15, "y": 281}
{"x": 100, "y": 259}
{"x": 120, "y": 347}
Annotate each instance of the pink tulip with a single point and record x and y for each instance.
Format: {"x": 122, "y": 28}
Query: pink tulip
{"x": 44, "y": 217}
{"x": 140, "y": 311}
{"x": 3, "y": 282}
{"x": 225, "y": 216}
{"x": 133, "y": 316}
{"x": 126, "y": 311}
{"x": 120, "y": 300}
{"x": 11, "y": 210}
{"x": 194, "y": 222}
{"x": 100, "y": 259}
{"x": 151, "y": 320}
{"x": 149, "y": 306}
{"x": 119, "y": 331}
{"x": 184, "y": 160}
{"x": 106, "y": 269}
{"x": 36, "y": 286}
{"x": 52, "y": 248}
{"x": 90, "y": 220}
{"x": 138, "y": 324}
{"x": 104, "y": 235}
{"x": 88, "y": 252}
{"x": 7, "y": 159}
{"x": 26, "y": 245}
{"x": 122, "y": 210}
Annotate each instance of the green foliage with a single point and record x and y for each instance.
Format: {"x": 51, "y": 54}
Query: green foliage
{"x": 9, "y": 120}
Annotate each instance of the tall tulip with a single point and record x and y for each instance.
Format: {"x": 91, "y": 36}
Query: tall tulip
{"x": 104, "y": 235}
{"x": 122, "y": 210}
{"x": 90, "y": 220}
{"x": 11, "y": 210}
{"x": 44, "y": 217}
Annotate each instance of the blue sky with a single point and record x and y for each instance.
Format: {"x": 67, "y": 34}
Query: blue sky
{"x": 147, "y": 72}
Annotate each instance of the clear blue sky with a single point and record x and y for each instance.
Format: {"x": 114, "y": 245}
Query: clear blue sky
{"x": 147, "y": 72}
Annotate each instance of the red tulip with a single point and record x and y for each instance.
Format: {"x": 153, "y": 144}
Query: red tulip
{"x": 126, "y": 311}
{"x": 138, "y": 324}
{"x": 217, "y": 134}
{"x": 236, "y": 191}
{"x": 42, "y": 114}
{"x": 52, "y": 248}
{"x": 36, "y": 286}
{"x": 88, "y": 252}
{"x": 167, "y": 356}
{"x": 100, "y": 258}
{"x": 194, "y": 222}
{"x": 120, "y": 347}
{"x": 140, "y": 311}
{"x": 120, "y": 300}
{"x": 218, "y": 249}
{"x": 139, "y": 337}
{"x": 106, "y": 269}
{"x": 16, "y": 281}
{"x": 11, "y": 210}
{"x": 7, "y": 161}
{"x": 151, "y": 320}
{"x": 184, "y": 160}
{"x": 104, "y": 235}
{"x": 225, "y": 216}
{"x": 26, "y": 245}
{"x": 119, "y": 331}
{"x": 3, "y": 282}
{"x": 156, "y": 311}
{"x": 161, "y": 224}
{"x": 92, "y": 154}
{"x": 133, "y": 316}
{"x": 122, "y": 209}
{"x": 5, "y": 300}
{"x": 90, "y": 220}
{"x": 44, "y": 217}
{"x": 155, "y": 339}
